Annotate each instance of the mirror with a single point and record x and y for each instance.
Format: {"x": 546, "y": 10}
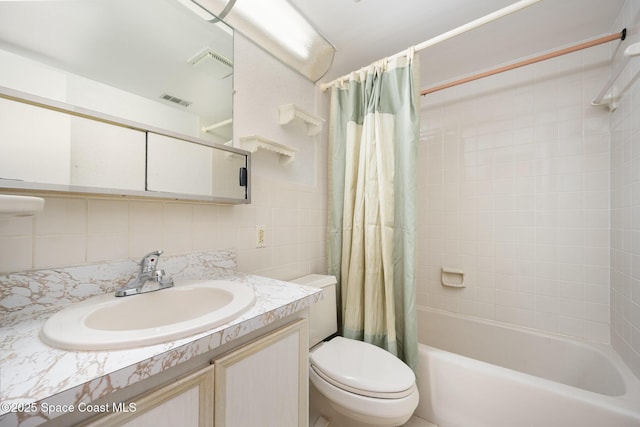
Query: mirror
{"x": 176, "y": 167}
{"x": 149, "y": 67}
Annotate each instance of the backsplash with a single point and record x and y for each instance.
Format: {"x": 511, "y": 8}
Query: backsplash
{"x": 33, "y": 291}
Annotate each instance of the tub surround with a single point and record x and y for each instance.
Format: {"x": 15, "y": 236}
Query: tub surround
{"x": 33, "y": 372}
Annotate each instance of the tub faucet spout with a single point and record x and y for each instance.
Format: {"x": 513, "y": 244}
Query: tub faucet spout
{"x": 149, "y": 272}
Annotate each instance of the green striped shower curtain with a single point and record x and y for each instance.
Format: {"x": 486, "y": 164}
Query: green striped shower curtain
{"x": 374, "y": 131}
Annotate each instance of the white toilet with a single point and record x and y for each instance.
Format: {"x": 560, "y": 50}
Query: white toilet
{"x": 352, "y": 383}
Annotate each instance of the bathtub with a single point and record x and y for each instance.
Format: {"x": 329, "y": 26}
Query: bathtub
{"x": 477, "y": 373}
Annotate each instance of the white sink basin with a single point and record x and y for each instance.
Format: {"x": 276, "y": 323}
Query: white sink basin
{"x": 11, "y": 205}
{"x": 107, "y": 322}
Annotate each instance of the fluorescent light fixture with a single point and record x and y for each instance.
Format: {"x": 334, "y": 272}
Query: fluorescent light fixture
{"x": 193, "y": 7}
{"x": 281, "y": 21}
{"x": 202, "y": 13}
{"x": 279, "y": 28}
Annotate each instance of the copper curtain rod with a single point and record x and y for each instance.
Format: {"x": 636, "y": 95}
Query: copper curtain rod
{"x": 618, "y": 36}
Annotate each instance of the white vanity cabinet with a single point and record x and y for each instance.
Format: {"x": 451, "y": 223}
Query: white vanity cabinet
{"x": 262, "y": 383}
{"x": 187, "y": 402}
{"x": 265, "y": 383}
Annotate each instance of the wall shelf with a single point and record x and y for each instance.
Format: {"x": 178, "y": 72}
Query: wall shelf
{"x": 606, "y": 96}
{"x": 254, "y": 143}
{"x": 218, "y": 125}
{"x": 289, "y": 112}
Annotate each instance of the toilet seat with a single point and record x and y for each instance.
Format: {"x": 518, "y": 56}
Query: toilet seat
{"x": 363, "y": 369}
{"x": 368, "y": 410}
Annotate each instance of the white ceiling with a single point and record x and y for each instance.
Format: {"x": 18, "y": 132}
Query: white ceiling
{"x": 143, "y": 46}
{"x": 367, "y": 30}
{"x": 362, "y": 32}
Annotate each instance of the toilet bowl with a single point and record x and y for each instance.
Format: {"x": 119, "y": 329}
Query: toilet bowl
{"x": 353, "y": 383}
{"x": 363, "y": 382}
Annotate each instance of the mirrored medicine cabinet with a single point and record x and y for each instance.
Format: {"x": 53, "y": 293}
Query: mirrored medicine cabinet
{"x": 118, "y": 97}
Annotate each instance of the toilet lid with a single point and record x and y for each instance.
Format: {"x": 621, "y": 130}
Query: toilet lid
{"x": 362, "y": 368}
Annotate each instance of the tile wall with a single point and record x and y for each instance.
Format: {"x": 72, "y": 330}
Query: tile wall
{"x": 80, "y": 230}
{"x": 625, "y": 202}
{"x": 514, "y": 190}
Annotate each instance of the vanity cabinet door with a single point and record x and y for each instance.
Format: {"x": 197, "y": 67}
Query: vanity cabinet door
{"x": 265, "y": 383}
{"x": 188, "y": 402}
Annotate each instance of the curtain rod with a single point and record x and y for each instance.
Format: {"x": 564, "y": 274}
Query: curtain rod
{"x": 456, "y": 31}
{"x": 617, "y": 36}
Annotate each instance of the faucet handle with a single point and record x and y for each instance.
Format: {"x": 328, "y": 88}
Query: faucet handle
{"x": 158, "y": 274}
{"x": 163, "y": 280}
{"x": 149, "y": 262}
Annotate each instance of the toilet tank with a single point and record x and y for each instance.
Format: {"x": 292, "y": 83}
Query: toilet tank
{"x": 323, "y": 315}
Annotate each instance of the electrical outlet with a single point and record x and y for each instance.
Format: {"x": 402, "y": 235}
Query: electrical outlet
{"x": 261, "y": 236}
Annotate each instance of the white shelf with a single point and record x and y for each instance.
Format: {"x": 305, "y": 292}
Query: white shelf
{"x": 606, "y": 96}
{"x": 11, "y": 206}
{"x": 254, "y": 143}
{"x": 289, "y": 112}
{"x": 218, "y": 125}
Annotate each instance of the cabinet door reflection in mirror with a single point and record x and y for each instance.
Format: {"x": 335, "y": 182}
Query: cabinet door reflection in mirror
{"x": 39, "y": 145}
{"x": 178, "y": 167}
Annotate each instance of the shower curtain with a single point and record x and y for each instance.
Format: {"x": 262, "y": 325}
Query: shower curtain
{"x": 374, "y": 131}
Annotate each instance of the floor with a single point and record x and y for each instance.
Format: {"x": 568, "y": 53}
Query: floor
{"x": 418, "y": 422}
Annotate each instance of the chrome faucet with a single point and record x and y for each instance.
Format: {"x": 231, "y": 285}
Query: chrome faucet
{"x": 149, "y": 272}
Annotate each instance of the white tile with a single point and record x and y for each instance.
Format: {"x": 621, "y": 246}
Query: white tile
{"x": 596, "y": 312}
{"x": 205, "y": 218}
{"x": 53, "y": 251}
{"x": 597, "y": 331}
{"x": 245, "y": 215}
{"x": 596, "y": 181}
{"x": 227, "y": 237}
{"x": 596, "y": 294}
{"x": 570, "y": 236}
{"x": 16, "y": 253}
{"x": 107, "y": 247}
{"x": 574, "y": 291}
{"x": 570, "y": 255}
{"x": 62, "y": 216}
{"x": 146, "y": 217}
{"x": 176, "y": 243}
{"x": 571, "y": 273}
{"x": 107, "y": 216}
{"x": 16, "y": 226}
{"x": 178, "y": 218}
{"x": 596, "y": 256}
{"x": 599, "y": 237}
{"x": 546, "y": 321}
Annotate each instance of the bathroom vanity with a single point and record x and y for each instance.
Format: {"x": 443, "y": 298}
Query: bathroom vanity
{"x": 261, "y": 382}
{"x": 251, "y": 369}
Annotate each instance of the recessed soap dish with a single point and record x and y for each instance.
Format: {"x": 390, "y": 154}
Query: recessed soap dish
{"x": 13, "y": 205}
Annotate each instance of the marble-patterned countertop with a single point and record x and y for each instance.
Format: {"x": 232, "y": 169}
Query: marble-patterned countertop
{"x": 34, "y": 375}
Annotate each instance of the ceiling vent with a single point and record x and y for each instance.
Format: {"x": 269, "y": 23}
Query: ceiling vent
{"x": 175, "y": 100}
{"x": 212, "y": 63}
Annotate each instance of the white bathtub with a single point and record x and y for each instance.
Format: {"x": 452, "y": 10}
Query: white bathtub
{"x": 476, "y": 373}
